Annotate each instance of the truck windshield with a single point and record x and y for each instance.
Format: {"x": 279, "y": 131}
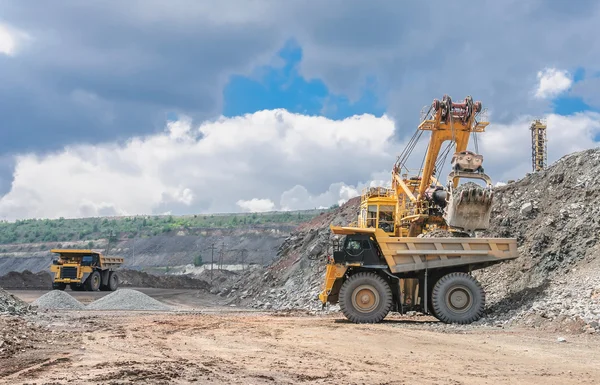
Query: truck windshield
{"x": 87, "y": 260}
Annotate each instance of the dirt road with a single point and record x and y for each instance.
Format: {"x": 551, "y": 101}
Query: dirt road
{"x": 260, "y": 348}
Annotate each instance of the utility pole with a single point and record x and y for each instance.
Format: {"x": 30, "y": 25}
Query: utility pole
{"x": 212, "y": 259}
{"x": 243, "y": 254}
{"x": 221, "y": 255}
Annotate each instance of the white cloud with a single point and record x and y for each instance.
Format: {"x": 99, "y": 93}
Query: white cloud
{"x": 219, "y": 166}
{"x": 507, "y": 147}
{"x": 10, "y": 39}
{"x": 290, "y": 161}
{"x": 255, "y": 205}
{"x": 552, "y": 82}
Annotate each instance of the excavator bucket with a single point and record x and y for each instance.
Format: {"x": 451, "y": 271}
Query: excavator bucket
{"x": 469, "y": 207}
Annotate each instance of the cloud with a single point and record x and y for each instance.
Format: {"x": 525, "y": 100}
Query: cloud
{"x": 507, "y": 147}
{"x": 107, "y": 71}
{"x": 269, "y": 160}
{"x": 552, "y": 82}
{"x": 587, "y": 89}
{"x": 217, "y": 166}
{"x": 10, "y": 39}
{"x": 117, "y": 69}
{"x": 256, "y": 205}
{"x": 408, "y": 50}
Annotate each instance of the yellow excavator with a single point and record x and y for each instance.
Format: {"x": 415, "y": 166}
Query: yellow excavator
{"x": 413, "y": 245}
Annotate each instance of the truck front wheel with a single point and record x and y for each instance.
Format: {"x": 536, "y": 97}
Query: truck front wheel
{"x": 59, "y": 286}
{"x": 93, "y": 281}
{"x": 458, "y": 298}
{"x": 365, "y": 298}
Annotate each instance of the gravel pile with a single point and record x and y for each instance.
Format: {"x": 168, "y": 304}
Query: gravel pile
{"x": 9, "y": 304}
{"x": 555, "y": 216}
{"x": 58, "y": 299}
{"x": 127, "y": 299}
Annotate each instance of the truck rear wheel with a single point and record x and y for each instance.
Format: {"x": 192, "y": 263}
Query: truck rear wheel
{"x": 365, "y": 298}
{"x": 113, "y": 281}
{"x": 458, "y": 298}
{"x": 93, "y": 281}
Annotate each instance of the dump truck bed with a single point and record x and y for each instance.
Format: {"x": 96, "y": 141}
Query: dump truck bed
{"x": 412, "y": 254}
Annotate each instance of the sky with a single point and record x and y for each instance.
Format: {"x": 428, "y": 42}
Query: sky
{"x": 148, "y": 107}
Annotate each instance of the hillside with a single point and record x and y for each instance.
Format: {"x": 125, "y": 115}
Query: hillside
{"x": 157, "y": 242}
{"x": 90, "y": 229}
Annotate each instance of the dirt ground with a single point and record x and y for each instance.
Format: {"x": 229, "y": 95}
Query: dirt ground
{"x": 218, "y": 345}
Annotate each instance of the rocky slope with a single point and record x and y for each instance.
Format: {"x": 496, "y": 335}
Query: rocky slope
{"x": 555, "y": 215}
{"x": 260, "y": 244}
{"x": 295, "y": 278}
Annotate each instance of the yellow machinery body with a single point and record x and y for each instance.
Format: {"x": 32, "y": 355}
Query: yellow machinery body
{"x": 84, "y": 269}
{"x": 388, "y": 248}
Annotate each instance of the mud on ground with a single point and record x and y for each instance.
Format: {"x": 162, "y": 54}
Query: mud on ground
{"x": 241, "y": 347}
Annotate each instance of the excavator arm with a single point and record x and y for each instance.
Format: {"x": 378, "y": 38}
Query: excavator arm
{"x": 451, "y": 121}
{"x": 467, "y": 209}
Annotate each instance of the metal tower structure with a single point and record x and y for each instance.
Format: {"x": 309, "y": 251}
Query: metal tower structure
{"x": 539, "y": 151}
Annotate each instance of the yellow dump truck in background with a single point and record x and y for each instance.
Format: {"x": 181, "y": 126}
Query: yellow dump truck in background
{"x": 84, "y": 270}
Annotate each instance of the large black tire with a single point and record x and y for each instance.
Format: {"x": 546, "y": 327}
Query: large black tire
{"x": 76, "y": 287}
{"x": 113, "y": 281}
{"x": 59, "y": 286}
{"x": 458, "y": 298}
{"x": 92, "y": 283}
{"x": 365, "y": 298}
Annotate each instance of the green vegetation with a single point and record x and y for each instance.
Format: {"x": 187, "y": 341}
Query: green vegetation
{"x": 89, "y": 229}
{"x": 198, "y": 260}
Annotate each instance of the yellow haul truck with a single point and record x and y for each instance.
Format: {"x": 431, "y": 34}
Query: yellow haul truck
{"x": 394, "y": 259}
{"x": 84, "y": 270}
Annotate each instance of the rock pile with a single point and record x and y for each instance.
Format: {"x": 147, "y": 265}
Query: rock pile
{"x": 26, "y": 280}
{"x": 555, "y": 216}
{"x": 11, "y": 305}
{"x": 135, "y": 278}
{"x": 294, "y": 280}
{"x": 58, "y": 299}
{"x": 127, "y": 299}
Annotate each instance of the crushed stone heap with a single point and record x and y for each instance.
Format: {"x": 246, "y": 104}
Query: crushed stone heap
{"x": 11, "y": 305}
{"x": 555, "y": 216}
{"x": 293, "y": 281}
{"x": 58, "y": 299}
{"x": 127, "y": 299}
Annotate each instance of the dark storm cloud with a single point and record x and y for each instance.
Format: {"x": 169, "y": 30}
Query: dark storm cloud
{"x": 421, "y": 50}
{"x": 99, "y": 71}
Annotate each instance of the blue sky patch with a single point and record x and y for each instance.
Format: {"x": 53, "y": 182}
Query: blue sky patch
{"x": 567, "y": 104}
{"x": 281, "y": 86}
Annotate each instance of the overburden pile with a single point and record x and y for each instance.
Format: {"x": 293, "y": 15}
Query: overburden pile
{"x": 293, "y": 280}
{"x": 11, "y": 305}
{"x": 555, "y": 216}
